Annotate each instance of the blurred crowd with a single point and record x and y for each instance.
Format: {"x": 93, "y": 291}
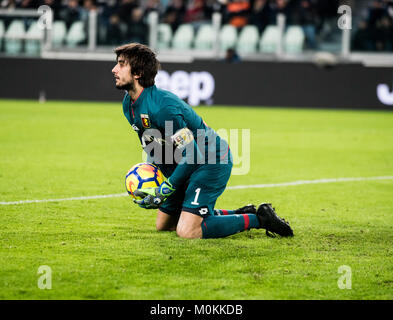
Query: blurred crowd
{"x": 121, "y": 21}
{"x": 374, "y": 31}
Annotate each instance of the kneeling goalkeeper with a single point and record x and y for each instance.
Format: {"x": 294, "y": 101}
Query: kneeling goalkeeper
{"x": 195, "y": 159}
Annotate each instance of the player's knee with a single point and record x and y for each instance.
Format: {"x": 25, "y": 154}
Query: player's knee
{"x": 164, "y": 227}
{"x": 160, "y": 227}
{"x": 186, "y": 235}
{"x": 189, "y": 232}
{"x": 165, "y": 222}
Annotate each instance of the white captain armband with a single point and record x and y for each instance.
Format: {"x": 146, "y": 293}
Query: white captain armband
{"x": 182, "y": 137}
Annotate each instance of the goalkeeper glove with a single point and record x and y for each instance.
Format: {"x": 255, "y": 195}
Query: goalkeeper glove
{"x": 152, "y": 198}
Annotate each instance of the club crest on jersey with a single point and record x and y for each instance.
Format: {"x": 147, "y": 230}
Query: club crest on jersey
{"x": 145, "y": 120}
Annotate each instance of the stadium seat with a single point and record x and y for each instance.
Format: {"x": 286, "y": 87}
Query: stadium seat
{"x": 248, "y": 39}
{"x": 269, "y": 39}
{"x": 76, "y": 34}
{"x": 34, "y": 37}
{"x": 294, "y": 39}
{"x": 183, "y": 37}
{"x": 59, "y": 32}
{"x": 164, "y": 36}
{"x": 228, "y": 37}
{"x": 205, "y": 37}
{"x": 13, "y": 38}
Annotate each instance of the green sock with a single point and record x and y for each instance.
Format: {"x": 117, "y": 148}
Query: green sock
{"x": 223, "y": 226}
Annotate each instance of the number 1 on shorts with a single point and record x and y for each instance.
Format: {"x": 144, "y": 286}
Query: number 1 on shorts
{"x": 197, "y": 191}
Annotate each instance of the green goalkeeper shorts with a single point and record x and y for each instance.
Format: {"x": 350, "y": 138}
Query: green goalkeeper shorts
{"x": 200, "y": 193}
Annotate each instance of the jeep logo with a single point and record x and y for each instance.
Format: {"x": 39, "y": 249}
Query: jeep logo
{"x": 194, "y": 86}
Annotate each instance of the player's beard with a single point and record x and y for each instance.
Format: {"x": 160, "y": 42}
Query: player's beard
{"x": 127, "y": 86}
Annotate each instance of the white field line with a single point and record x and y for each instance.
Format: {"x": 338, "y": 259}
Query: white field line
{"x": 252, "y": 186}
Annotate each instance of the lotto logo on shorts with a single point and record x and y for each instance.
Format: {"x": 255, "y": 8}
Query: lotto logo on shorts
{"x": 203, "y": 211}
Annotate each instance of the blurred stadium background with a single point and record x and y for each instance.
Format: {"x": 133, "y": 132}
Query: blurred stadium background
{"x": 277, "y": 52}
{"x": 283, "y": 55}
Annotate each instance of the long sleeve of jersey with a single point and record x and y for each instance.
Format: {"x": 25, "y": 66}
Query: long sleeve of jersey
{"x": 187, "y": 153}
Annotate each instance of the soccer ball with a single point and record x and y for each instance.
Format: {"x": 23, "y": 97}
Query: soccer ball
{"x": 143, "y": 175}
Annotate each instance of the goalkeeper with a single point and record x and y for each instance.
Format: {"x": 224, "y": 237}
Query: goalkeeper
{"x": 195, "y": 159}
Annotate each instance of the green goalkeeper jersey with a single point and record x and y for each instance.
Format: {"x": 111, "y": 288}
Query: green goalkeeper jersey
{"x": 175, "y": 138}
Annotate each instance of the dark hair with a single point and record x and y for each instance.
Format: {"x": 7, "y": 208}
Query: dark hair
{"x": 142, "y": 60}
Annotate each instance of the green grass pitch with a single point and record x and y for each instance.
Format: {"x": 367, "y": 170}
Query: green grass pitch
{"x": 109, "y": 249}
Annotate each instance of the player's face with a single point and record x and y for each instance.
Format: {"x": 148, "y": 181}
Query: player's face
{"x": 122, "y": 74}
